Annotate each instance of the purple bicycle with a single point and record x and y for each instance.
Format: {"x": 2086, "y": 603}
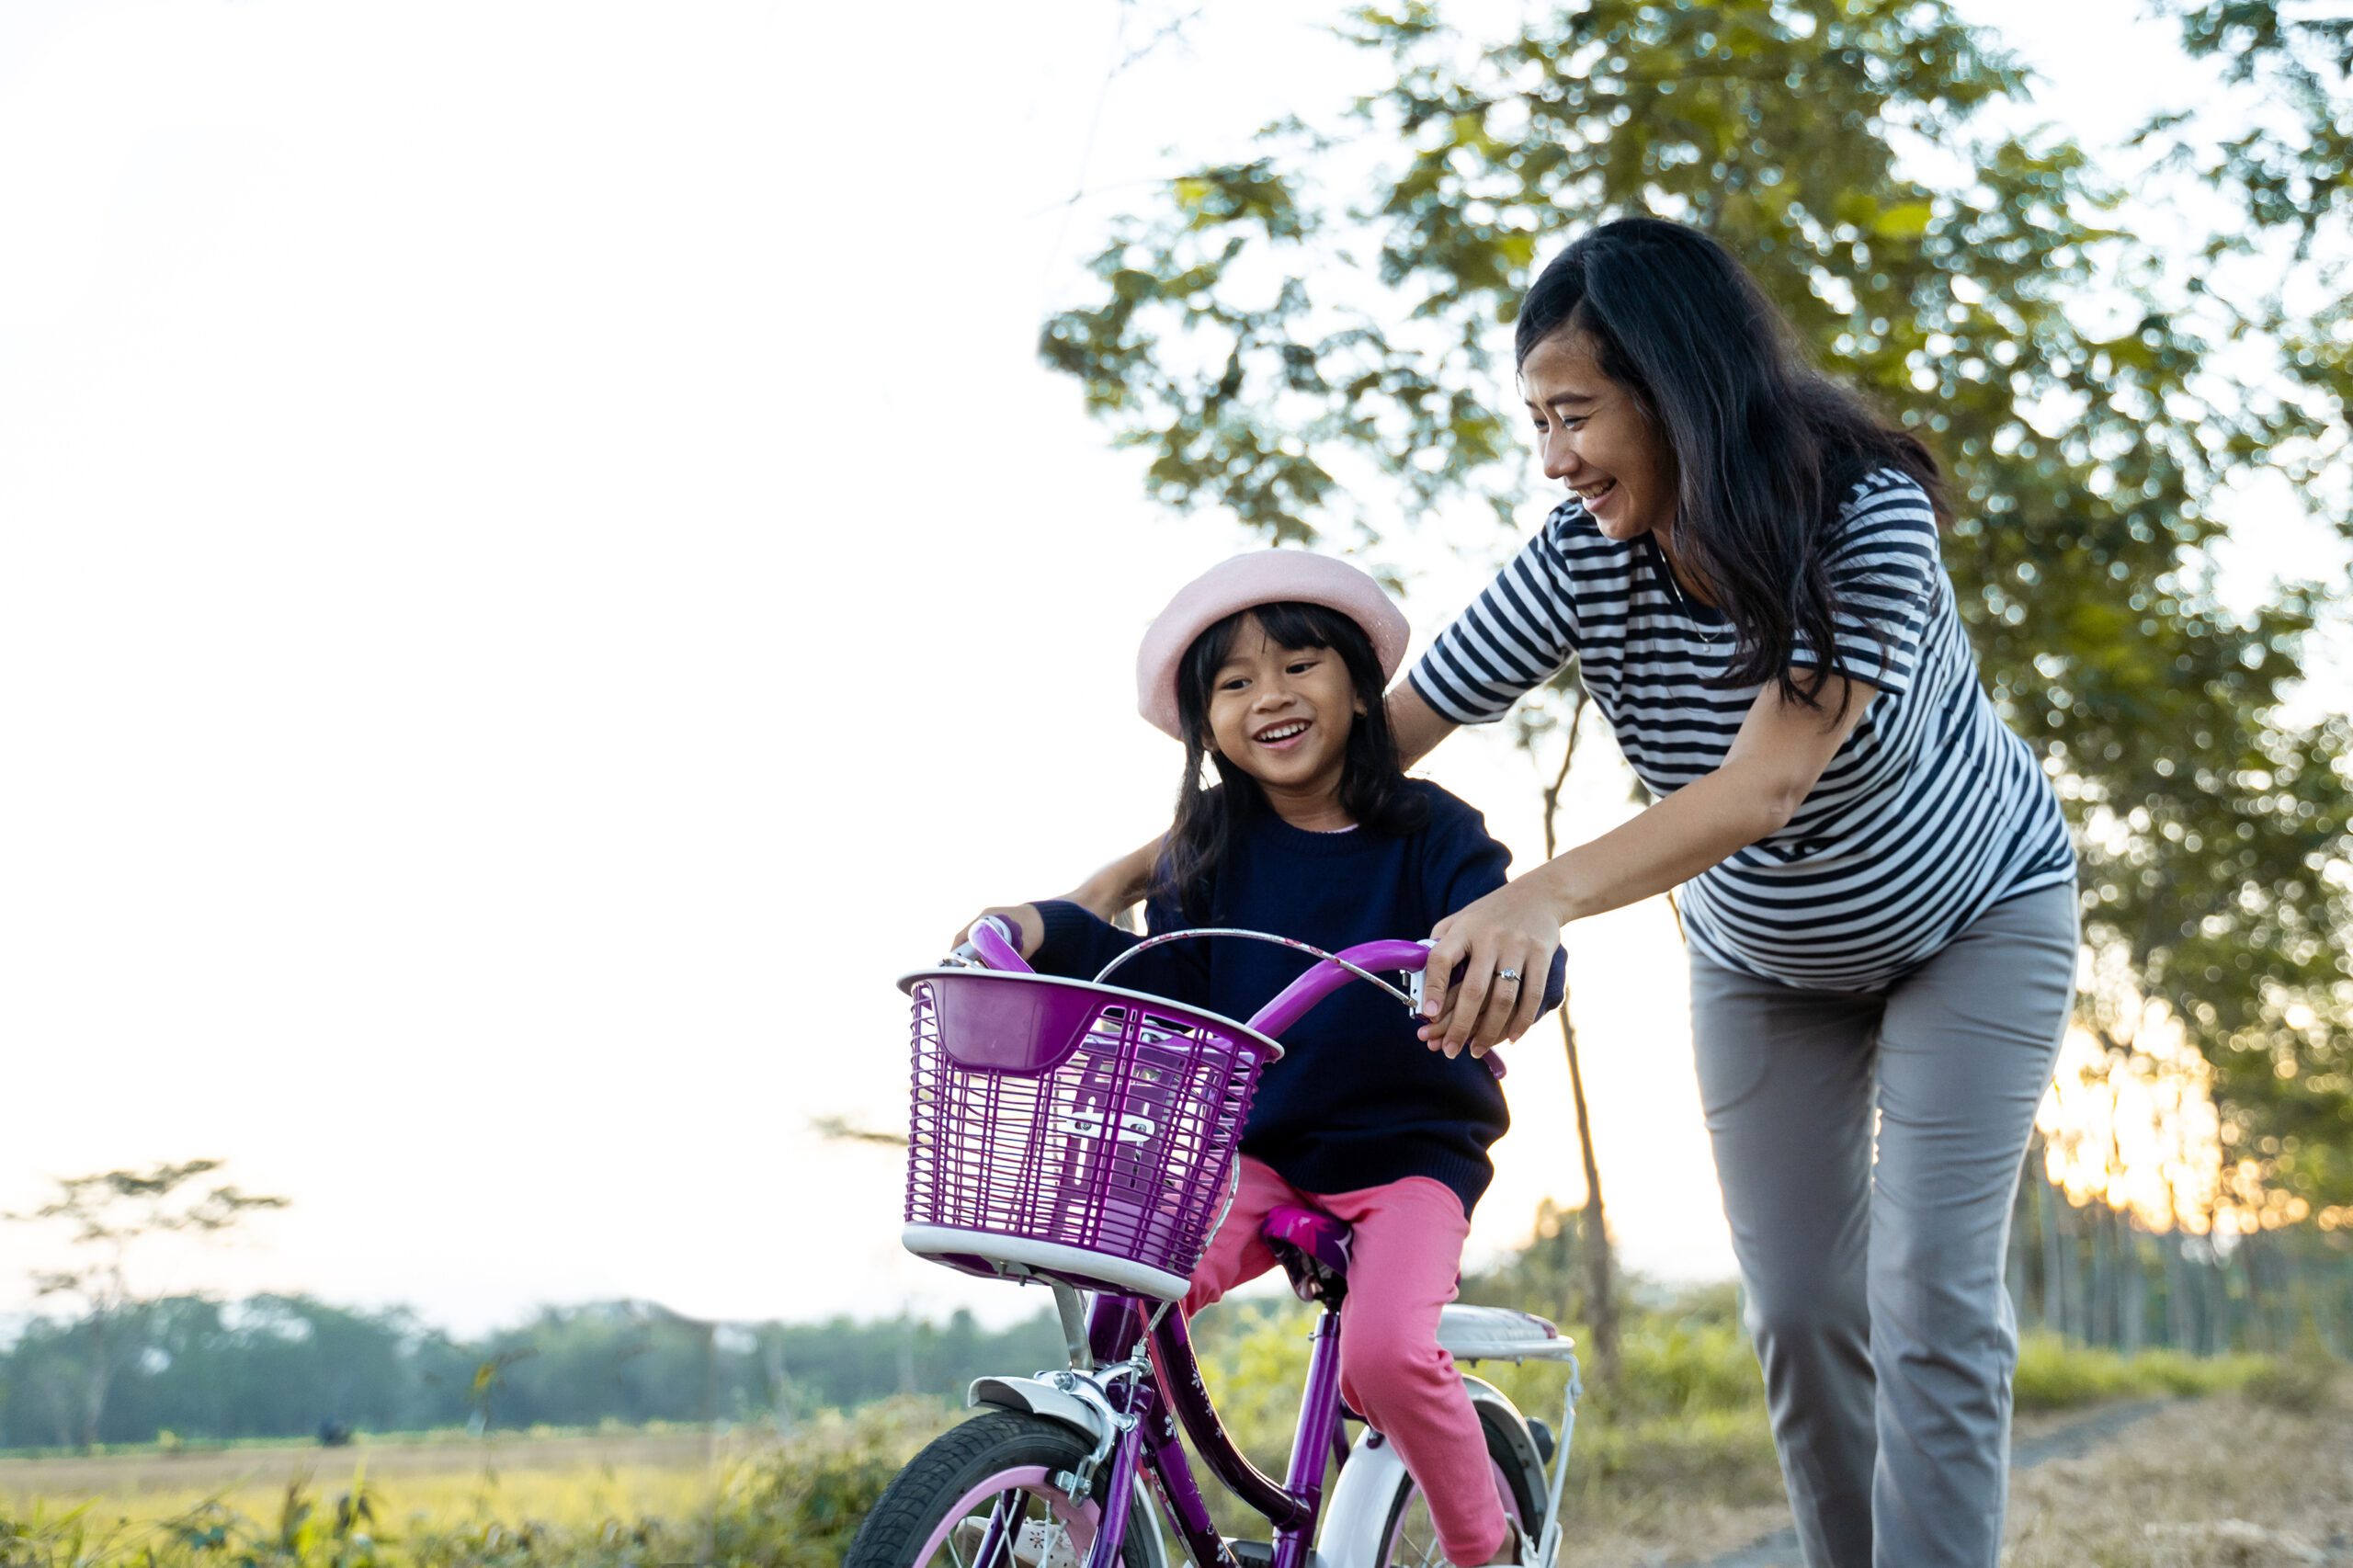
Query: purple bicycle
{"x": 1084, "y": 1136}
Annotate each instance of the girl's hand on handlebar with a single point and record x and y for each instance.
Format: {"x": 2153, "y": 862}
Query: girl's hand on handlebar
{"x": 1028, "y": 926}
{"x": 1512, "y": 927}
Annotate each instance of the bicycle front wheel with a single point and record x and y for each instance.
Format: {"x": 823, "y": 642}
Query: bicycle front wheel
{"x": 997, "y": 1468}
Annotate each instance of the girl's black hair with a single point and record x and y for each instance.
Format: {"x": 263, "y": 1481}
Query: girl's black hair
{"x": 1765, "y": 448}
{"x": 1372, "y": 786}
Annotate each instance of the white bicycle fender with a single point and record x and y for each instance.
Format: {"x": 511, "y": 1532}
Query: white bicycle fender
{"x": 1514, "y": 1427}
{"x": 1352, "y": 1515}
{"x": 1357, "y": 1510}
{"x": 1038, "y": 1397}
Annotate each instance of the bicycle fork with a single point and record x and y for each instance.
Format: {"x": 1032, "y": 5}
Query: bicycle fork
{"x": 1143, "y": 1434}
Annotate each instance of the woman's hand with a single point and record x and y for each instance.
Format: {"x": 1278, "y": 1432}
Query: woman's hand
{"x": 1515, "y": 927}
{"x": 1028, "y": 926}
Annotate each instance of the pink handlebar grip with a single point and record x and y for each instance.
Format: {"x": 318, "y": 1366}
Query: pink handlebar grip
{"x": 995, "y": 941}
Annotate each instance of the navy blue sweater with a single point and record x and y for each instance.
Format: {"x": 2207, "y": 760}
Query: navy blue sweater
{"x": 1357, "y": 1100}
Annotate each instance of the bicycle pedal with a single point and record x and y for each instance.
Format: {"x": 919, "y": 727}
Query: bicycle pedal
{"x": 1261, "y": 1554}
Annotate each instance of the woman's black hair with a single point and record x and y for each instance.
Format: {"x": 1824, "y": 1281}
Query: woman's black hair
{"x": 1765, "y": 448}
{"x": 1372, "y": 786}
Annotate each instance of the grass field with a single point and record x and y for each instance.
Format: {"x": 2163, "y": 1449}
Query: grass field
{"x": 147, "y": 1470}
{"x": 1673, "y": 1467}
{"x": 513, "y": 1476}
{"x": 583, "y": 1500}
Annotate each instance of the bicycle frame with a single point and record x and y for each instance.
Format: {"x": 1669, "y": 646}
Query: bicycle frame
{"x": 1128, "y": 1336}
{"x": 1174, "y": 1396}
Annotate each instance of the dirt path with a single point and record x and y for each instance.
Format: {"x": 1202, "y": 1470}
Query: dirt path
{"x": 2204, "y": 1483}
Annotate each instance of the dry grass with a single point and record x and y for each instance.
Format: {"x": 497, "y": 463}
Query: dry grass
{"x": 1659, "y": 1533}
{"x": 623, "y": 1475}
{"x": 2224, "y": 1481}
{"x": 2221, "y": 1482}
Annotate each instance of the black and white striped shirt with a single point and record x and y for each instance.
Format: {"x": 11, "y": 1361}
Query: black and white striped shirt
{"x": 1930, "y": 812}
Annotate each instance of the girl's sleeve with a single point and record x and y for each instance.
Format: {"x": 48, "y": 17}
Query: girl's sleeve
{"x": 1078, "y": 943}
{"x": 1513, "y": 639}
{"x": 1884, "y": 569}
{"x": 1465, "y": 866}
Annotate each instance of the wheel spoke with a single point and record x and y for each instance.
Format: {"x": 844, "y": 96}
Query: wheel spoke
{"x": 1415, "y": 1544}
{"x": 1004, "y": 1517}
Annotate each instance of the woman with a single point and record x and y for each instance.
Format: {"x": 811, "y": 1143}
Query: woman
{"x": 1878, "y": 886}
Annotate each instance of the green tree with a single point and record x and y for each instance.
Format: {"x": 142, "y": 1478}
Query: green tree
{"x": 2276, "y": 278}
{"x": 2294, "y": 171}
{"x": 1313, "y": 358}
{"x": 110, "y": 1214}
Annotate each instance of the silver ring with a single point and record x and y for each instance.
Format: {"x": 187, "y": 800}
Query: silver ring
{"x": 1510, "y": 974}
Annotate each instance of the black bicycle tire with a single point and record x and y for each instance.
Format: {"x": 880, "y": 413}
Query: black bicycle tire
{"x": 1505, "y": 1460}
{"x": 951, "y": 1464}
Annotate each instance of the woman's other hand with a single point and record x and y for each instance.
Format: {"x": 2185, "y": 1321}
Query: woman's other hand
{"x": 1028, "y": 926}
{"x": 1515, "y": 927}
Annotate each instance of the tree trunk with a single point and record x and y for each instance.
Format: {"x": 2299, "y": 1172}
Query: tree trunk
{"x": 1600, "y": 1289}
{"x": 2136, "y": 1269}
{"x": 2178, "y": 1321}
{"x": 2097, "y": 1319}
{"x": 93, "y": 1395}
{"x": 2071, "y": 1268}
{"x": 2014, "y": 1267}
{"x": 2055, "y": 1304}
{"x": 1600, "y": 1270}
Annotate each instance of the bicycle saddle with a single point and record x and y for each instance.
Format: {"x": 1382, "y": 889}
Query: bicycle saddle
{"x": 1312, "y": 1247}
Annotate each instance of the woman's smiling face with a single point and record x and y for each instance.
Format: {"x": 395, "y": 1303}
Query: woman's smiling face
{"x": 1596, "y": 438}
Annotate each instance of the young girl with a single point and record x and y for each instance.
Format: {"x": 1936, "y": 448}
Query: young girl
{"x": 1271, "y": 667}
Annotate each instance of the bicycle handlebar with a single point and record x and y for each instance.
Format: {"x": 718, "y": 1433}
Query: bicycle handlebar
{"x": 1302, "y": 994}
{"x": 994, "y": 944}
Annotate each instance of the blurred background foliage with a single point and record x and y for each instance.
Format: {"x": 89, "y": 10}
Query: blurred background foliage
{"x": 2125, "y": 367}
{"x": 1314, "y": 339}
{"x": 1683, "y": 1430}
{"x": 292, "y": 1366}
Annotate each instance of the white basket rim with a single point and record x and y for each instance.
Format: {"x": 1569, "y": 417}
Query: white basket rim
{"x": 1048, "y": 1257}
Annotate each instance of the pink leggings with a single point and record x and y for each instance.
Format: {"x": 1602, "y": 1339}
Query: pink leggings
{"x": 1401, "y": 1268}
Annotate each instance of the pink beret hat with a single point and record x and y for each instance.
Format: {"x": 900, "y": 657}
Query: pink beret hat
{"x": 1260, "y": 577}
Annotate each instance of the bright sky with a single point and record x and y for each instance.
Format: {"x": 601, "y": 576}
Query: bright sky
{"x": 539, "y": 572}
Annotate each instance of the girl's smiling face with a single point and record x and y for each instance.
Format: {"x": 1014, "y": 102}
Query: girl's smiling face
{"x": 1282, "y": 715}
{"x": 1596, "y": 439}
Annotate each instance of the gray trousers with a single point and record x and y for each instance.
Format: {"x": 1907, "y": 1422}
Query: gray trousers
{"x": 1874, "y": 1285}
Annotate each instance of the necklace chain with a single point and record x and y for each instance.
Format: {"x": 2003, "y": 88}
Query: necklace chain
{"x": 1683, "y": 600}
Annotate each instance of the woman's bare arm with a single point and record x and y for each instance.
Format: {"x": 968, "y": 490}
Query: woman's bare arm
{"x": 1417, "y": 726}
{"x": 1771, "y": 766}
{"x": 1116, "y": 886}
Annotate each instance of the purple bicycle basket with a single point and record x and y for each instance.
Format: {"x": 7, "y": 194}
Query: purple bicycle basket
{"x": 1059, "y": 1130}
